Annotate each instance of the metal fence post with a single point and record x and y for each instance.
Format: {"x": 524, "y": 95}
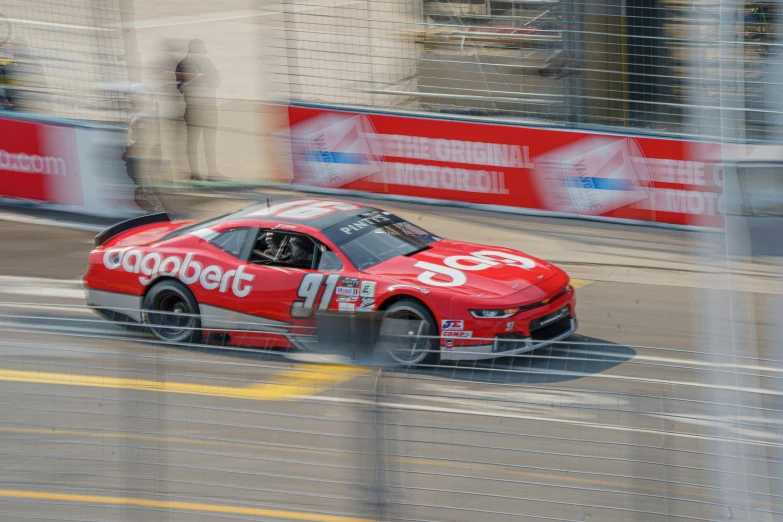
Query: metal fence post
{"x": 292, "y": 50}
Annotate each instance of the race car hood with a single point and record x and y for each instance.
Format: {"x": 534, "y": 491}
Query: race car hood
{"x": 505, "y": 277}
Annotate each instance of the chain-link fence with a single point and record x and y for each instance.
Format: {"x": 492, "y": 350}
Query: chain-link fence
{"x": 649, "y": 66}
{"x": 64, "y": 58}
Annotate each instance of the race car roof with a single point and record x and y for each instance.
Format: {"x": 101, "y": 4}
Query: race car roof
{"x": 323, "y": 221}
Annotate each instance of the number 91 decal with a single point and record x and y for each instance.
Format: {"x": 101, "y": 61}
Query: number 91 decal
{"x": 309, "y": 290}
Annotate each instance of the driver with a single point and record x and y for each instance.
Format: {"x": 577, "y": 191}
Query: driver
{"x": 301, "y": 251}
{"x": 273, "y": 244}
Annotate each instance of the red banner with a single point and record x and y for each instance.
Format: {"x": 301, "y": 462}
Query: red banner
{"x": 579, "y": 173}
{"x": 39, "y": 162}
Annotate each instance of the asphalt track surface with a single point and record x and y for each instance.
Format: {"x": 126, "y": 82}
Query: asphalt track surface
{"x": 640, "y": 417}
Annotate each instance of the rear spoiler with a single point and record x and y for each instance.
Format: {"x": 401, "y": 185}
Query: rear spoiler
{"x": 129, "y": 224}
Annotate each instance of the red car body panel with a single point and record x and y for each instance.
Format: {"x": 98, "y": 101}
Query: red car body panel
{"x": 450, "y": 278}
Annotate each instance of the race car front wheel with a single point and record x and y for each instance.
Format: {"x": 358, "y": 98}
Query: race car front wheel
{"x": 172, "y": 313}
{"x": 409, "y": 333}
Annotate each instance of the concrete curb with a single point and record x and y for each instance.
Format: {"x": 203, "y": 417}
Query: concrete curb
{"x": 23, "y": 211}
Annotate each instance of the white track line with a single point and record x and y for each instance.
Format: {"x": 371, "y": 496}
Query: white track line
{"x": 32, "y": 220}
{"x": 680, "y": 363}
{"x": 485, "y": 413}
{"x": 42, "y": 287}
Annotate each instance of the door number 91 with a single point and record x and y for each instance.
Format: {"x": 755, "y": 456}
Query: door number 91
{"x": 309, "y": 290}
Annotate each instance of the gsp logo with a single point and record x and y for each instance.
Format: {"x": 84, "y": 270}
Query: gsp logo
{"x": 456, "y": 266}
{"x": 452, "y": 324}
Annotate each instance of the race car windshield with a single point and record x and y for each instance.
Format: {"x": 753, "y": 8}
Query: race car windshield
{"x": 374, "y": 237}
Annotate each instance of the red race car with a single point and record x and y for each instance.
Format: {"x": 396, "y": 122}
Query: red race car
{"x": 292, "y": 273}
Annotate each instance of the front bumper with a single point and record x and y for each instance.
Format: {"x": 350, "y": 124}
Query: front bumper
{"x": 490, "y": 351}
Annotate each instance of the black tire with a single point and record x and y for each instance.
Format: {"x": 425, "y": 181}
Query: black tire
{"x": 179, "y": 320}
{"x": 409, "y": 334}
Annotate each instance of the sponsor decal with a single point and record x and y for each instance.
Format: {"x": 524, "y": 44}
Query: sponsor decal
{"x": 368, "y": 302}
{"x": 452, "y": 324}
{"x": 463, "y": 335}
{"x": 368, "y": 289}
{"x": 363, "y": 223}
{"x": 285, "y": 226}
{"x": 594, "y": 176}
{"x": 187, "y": 270}
{"x": 347, "y": 298}
{"x": 559, "y": 315}
{"x": 362, "y": 309}
{"x": 351, "y": 282}
{"x": 453, "y": 273}
{"x": 40, "y": 162}
{"x": 347, "y": 307}
{"x": 334, "y": 150}
{"x": 310, "y": 291}
{"x": 449, "y": 344}
{"x": 344, "y": 290}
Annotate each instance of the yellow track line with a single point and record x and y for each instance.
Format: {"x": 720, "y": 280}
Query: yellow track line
{"x": 580, "y": 283}
{"x": 497, "y": 468}
{"x": 174, "y": 505}
{"x": 291, "y": 384}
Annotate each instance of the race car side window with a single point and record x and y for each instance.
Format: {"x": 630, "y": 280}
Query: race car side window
{"x": 329, "y": 262}
{"x": 284, "y": 249}
{"x": 232, "y": 241}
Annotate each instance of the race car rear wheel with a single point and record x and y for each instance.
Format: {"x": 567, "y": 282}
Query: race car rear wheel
{"x": 172, "y": 313}
{"x": 409, "y": 333}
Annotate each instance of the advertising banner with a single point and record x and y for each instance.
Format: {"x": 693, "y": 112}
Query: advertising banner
{"x": 559, "y": 171}
{"x": 39, "y": 162}
{"x": 75, "y": 168}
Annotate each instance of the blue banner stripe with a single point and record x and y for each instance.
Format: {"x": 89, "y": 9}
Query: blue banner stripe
{"x": 600, "y": 183}
{"x": 350, "y": 158}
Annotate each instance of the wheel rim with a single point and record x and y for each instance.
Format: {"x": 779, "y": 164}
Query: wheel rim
{"x": 404, "y": 333}
{"x": 175, "y": 318}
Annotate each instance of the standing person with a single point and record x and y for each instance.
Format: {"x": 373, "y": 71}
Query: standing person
{"x": 29, "y": 85}
{"x": 142, "y": 154}
{"x": 6, "y": 100}
{"x": 164, "y": 70}
{"x": 198, "y": 79}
